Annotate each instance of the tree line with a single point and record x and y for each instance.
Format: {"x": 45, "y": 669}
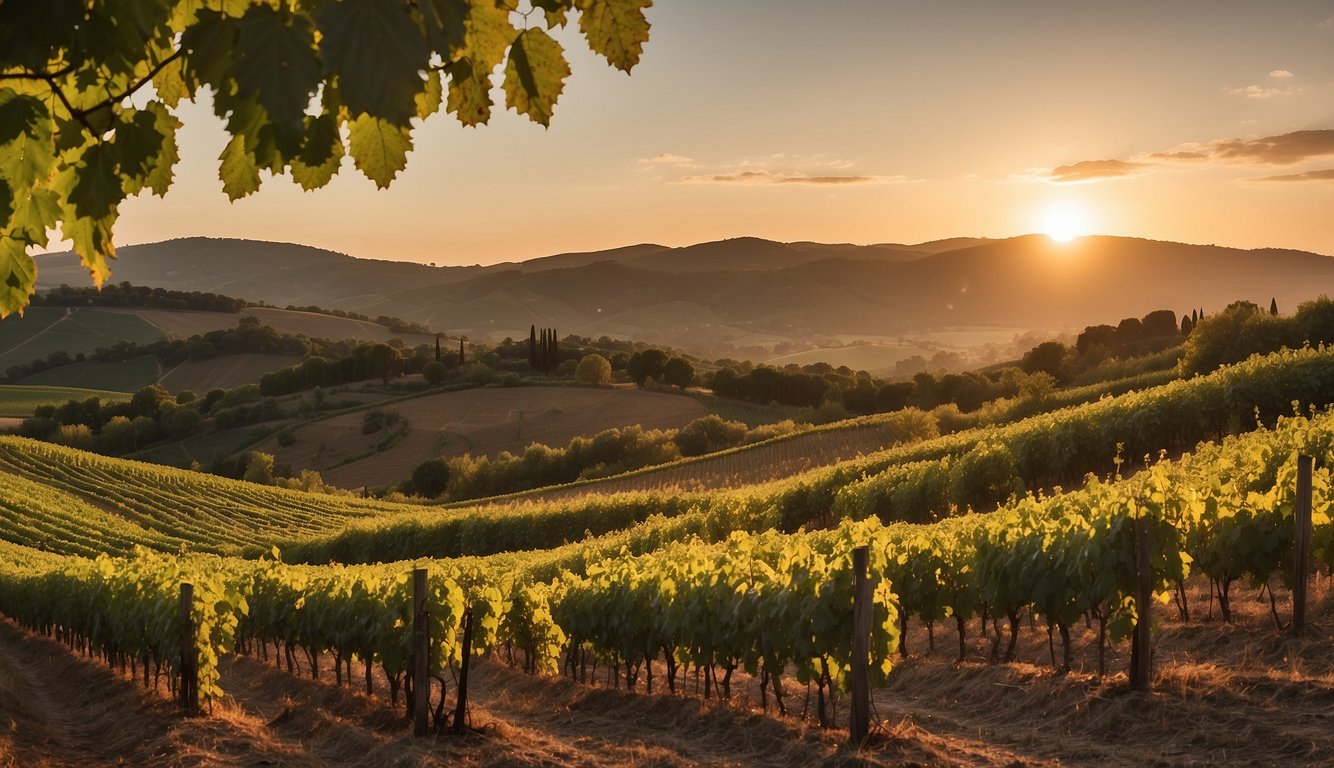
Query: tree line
{"x": 124, "y": 294}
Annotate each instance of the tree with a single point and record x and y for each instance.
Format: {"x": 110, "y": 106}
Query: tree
{"x": 259, "y": 468}
{"x": 678, "y": 372}
{"x": 384, "y": 361}
{"x": 78, "y": 136}
{"x": 646, "y": 364}
{"x": 430, "y": 478}
{"x": 434, "y": 372}
{"x": 1049, "y": 356}
{"x": 1273, "y": 306}
{"x": 593, "y": 370}
{"x": 532, "y": 347}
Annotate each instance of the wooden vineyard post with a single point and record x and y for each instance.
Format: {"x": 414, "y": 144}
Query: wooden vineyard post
{"x": 461, "y": 708}
{"x": 860, "y": 720}
{"x": 1141, "y": 653}
{"x": 189, "y": 688}
{"x": 1301, "y": 513}
{"x": 421, "y": 654}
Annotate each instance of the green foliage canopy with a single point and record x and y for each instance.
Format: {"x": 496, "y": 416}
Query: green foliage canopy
{"x": 299, "y": 84}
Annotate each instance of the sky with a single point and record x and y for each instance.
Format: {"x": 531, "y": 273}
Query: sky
{"x": 849, "y": 121}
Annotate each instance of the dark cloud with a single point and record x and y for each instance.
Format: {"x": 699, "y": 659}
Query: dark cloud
{"x": 1095, "y": 170}
{"x": 1285, "y": 149}
{"x": 1322, "y": 175}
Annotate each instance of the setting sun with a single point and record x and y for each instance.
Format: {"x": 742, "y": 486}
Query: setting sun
{"x": 1064, "y": 223}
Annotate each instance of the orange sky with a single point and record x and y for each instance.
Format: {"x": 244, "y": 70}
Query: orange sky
{"x": 841, "y": 121}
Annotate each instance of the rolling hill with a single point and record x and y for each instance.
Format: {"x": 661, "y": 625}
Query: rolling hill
{"x": 721, "y": 292}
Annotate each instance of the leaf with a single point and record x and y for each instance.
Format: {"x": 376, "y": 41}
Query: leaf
{"x": 208, "y": 44}
{"x": 160, "y": 178}
{"x": 238, "y": 172}
{"x": 18, "y": 276}
{"x": 444, "y": 21}
{"x": 469, "y": 93}
{"x": 489, "y": 33}
{"x": 170, "y": 83}
{"x": 554, "y": 10}
{"x": 616, "y": 29}
{"x": 428, "y": 101}
{"x": 96, "y": 188}
{"x": 535, "y": 75}
{"x": 26, "y": 152}
{"x": 136, "y": 148}
{"x": 92, "y": 241}
{"x": 34, "y": 213}
{"x": 378, "y": 54}
{"x": 277, "y": 64}
{"x": 379, "y": 148}
{"x": 321, "y": 153}
{"x": 487, "y": 36}
{"x": 6, "y": 204}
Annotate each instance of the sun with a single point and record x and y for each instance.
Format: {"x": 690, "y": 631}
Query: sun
{"x": 1064, "y": 223}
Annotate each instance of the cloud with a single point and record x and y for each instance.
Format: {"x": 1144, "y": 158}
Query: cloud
{"x": 784, "y": 169}
{"x": 666, "y": 158}
{"x": 1262, "y": 92}
{"x": 771, "y": 177}
{"x": 1282, "y": 150}
{"x": 1280, "y": 74}
{"x": 1327, "y": 23}
{"x": 1321, "y": 175}
{"x": 1285, "y": 149}
{"x": 1094, "y": 170}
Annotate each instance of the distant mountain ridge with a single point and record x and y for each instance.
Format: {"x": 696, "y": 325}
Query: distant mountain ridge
{"x": 743, "y": 290}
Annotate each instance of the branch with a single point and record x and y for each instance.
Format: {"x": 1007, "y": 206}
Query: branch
{"x": 145, "y": 80}
{"x": 30, "y": 75}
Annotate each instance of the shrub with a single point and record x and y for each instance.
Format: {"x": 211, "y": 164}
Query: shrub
{"x": 593, "y": 370}
{"x": 434, "y": 372}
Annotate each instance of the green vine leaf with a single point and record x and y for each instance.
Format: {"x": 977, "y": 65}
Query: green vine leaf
{"x": 535, "y": 75}
{"x": 380, "y": 31}
{"x": 276, "y": 61}
{"x": 238, "y": 172}
{"x": 617, "y": 29}
{"x": 18, "y": 276}
{"x": 321, "y": 153}
{"x": 379, "y": 148}
{"x": 96, "y": 189}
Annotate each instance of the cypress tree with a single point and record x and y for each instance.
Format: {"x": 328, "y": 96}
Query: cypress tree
{"x": 460, "y": 351}
{"x": 437, "y": 347}
{"x": 532, "y": 347}
{"x": 1194, "y": 318}
{"x": 1273, "y": 306}
{"x": 555, "y": 349}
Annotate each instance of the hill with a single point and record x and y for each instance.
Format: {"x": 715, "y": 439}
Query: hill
{"x": 482, "y": 422}
{"x": 64, "y": 334}
{"x": 745, "y": 293}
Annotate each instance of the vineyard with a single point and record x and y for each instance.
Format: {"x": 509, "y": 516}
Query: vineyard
{"x": 1003, "y": 537}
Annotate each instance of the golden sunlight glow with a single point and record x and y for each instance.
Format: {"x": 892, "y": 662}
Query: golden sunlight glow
{"x": 1064, "y": 223}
